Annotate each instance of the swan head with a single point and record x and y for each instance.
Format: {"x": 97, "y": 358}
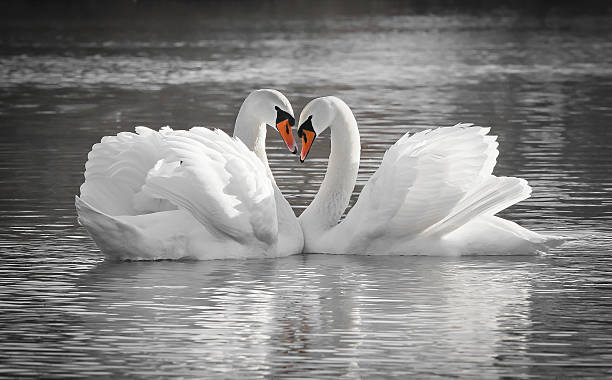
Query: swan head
{"x": 315, "y": 118}
{"x": 273, "y": 108}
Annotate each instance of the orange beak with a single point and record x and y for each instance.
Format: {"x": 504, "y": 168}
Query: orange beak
{"x": 307, "y": 140}
{"x": 285, "y": 130}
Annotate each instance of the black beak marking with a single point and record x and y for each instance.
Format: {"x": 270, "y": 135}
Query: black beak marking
{"x": 306, "y": 126}
{"x": 284, "y": 115}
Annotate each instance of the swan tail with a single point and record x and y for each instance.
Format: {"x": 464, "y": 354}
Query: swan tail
{"x": 115, "y": 238}
{"x": 488, "y": 198}
{"x": 492, "y": 235}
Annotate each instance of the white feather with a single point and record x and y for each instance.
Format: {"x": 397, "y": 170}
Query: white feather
{"x": 189, "y": 194}
{"x": 220, "y": 182}
{"x": 431, "y": 194}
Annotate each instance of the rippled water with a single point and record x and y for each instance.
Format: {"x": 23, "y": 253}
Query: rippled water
{"x": 543, "y": 85}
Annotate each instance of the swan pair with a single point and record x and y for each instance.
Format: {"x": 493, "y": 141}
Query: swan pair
{"x": 202, "y": 194}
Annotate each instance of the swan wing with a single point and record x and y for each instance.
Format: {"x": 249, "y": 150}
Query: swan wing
{"x": 433, "y": 182}
{"x": 117, "y": 168}
{"x": 220, "y": 182}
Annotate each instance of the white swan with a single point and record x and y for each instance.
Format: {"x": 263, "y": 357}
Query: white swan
{"x": 433, "y": 193}
{"x": 192, "y": 194}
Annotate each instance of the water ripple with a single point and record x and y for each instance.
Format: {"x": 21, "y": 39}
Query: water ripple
{"x": 68, "y": 313}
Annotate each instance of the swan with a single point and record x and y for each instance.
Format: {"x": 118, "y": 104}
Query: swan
{"x": 433, "y": 193}
{"x": 197, "y": 193}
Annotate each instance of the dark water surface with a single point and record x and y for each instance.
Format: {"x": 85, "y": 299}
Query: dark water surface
{"x": 543, "y": 84}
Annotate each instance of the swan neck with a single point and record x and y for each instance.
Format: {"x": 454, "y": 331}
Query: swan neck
{"x": 337, "y": 187}
{"x": 252, "y": 131}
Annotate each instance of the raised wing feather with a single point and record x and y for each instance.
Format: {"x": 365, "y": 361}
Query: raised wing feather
{"x": 117, "y": 168}
{"x": 426, "y": 178}
{"x": 220, "y": 182}
{"x": 486, "y": 198}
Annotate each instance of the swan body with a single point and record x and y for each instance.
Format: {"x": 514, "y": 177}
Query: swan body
{"x": 433, "y": 194}
{"x": 197, "y": 194}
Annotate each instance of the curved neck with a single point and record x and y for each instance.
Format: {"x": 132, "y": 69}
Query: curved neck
{"x": 252, "y": 131}
{"x": 335, "y": 192}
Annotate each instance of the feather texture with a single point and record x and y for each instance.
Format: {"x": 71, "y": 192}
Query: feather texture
{"x": 172, "y": 194}
{"x": 434, "y": 193}
{"x": 220, "y": 182}
{"x": 423, "y": 178}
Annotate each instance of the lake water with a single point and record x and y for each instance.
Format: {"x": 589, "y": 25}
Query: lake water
{"x": 544, "y": 85}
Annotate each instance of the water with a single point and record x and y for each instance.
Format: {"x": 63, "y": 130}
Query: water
{"x": 543, "y": 83}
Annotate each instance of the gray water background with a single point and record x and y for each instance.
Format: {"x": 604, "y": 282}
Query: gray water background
{"x": 541, "y": 78}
